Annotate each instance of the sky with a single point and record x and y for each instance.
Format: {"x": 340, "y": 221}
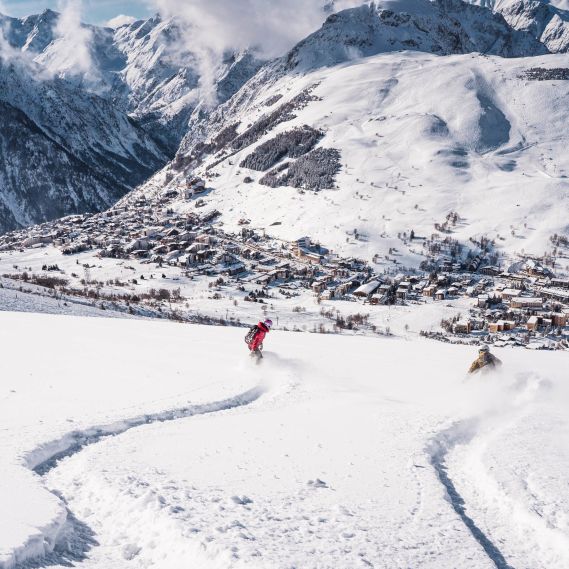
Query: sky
{"x": 94, "y": 11}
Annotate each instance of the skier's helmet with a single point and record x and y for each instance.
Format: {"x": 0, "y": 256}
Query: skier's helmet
{"x": 268, "y": 322}
{"x": 484, "y": 349}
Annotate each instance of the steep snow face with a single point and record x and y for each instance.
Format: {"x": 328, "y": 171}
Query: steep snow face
{"x": 64, "y": 150}
{"x": 41, "y": 180}
{"x": 443, "y": 27}
{"x": 161, "y": 83}
{"x": 419, "y": 136}
{"x": 145, "y": 68}
{"x": 545, "y": 21}
{"x": 33, "y": 33}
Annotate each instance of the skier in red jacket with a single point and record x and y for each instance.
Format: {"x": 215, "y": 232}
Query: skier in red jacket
{"x": 256, "y": 336}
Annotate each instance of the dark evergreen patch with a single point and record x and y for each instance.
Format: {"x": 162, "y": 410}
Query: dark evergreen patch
{"x": 314, "y": 171}
{"x": 293, "y": 143}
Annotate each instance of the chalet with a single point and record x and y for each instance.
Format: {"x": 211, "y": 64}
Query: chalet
{"x": 462, "y": 327}
{"x": 440, "y": 294}
{"x": 475, "y": 263}
{"x": 525, "y": 302}
{"x": 402, "y": 291}
{"x": 172, "y": 256}
{"x": 197, "y": 247}
{"x": 560, "y": 318}
{"x": 318, "y": 286}
{"x": 232, "y": 248}
{"x": 160, "y": 250}
{"x": 153, "y": 232}
{"x": 234, "y": 269}
{"x": 532, "y": 323}
{"x": 509, "y": 293}
{"x": 452, "y": 291}
{"x": 310, "y": 256}
{"x": 429, "y": 291}
{"x": 139, "y": 253}
{"x": 490, "y": 270}
{"x": 421, "y": 285}
{"x": 37, "y": 240}
{"x": 367, "y": 289}
{"x": 515, "y": 280}
{"x": 501, "y": 326}
{"x": 343, "y": 288}
{"x": 205, "y": 239}
{"x": 378, "y": 299}
{"x": 138, "y": 244}
{"x": 557, "y": 294}
{"x": 263, "y": 280}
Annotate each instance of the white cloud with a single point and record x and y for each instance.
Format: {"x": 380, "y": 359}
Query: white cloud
{"x": 270, "y": 26}
{"x": 119, "y": 21}
{"x": 73, "y": 41}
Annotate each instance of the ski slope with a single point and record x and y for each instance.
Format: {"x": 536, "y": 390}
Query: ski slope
{"x": 150, "y": 444}
{"x": 420, "y": 136}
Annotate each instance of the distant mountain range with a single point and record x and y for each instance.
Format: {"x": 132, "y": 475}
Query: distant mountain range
{"x": 385, "y": 120}
{"x": 79, "y": 135}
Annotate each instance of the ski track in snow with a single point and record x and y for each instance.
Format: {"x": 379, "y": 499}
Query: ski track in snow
{"x": 72, "y": 539}
{"x": 472, "y": 434}
{"x": 462, "y": 432}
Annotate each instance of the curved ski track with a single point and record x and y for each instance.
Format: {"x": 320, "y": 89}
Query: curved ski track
{"x": 73, "y": 539}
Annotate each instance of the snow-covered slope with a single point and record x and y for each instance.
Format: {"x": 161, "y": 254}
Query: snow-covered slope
{"x": 545, "y": 21}
{"x": 333, "y": 452}
{"x": 419, "y": 136}
{"x": 64, "y": 150}
{"x": 145, "y": 68}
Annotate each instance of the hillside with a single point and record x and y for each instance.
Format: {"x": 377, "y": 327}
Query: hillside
{"x": 379, "y": 454}
{"x": 64, "y": 150}
{"x": 399, "y": 139}
{"x": 146, "y": 69}
{"x": 96, "y": 113}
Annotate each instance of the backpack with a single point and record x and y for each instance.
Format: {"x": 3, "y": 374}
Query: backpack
{"x": 251, "y": 334}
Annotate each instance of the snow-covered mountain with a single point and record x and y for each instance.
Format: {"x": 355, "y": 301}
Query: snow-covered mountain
{"x": 545, "y": 21}
{"x": 402, "y": 138}
{"x": 96, "y": 114}
{"x": 64, "y": 150}
{"x": 161, "y": 81}
{"x": 145, "y": 68}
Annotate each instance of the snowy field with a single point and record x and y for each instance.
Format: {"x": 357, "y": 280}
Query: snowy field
{"x": 334, "y": 452}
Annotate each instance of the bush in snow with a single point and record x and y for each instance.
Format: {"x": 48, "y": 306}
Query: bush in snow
{"x": 314, "y": 171}
{"x": 292, "y": 143}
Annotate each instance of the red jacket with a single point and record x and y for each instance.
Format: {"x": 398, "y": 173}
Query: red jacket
{"x": 259, "y": 336}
